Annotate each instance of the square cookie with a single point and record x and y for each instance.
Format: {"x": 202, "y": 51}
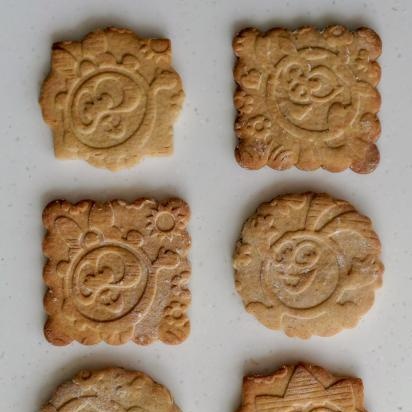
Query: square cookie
{"x": 307, "y": 98}
{"x": 112, "y": 98}
{"x": 116, "y": 271}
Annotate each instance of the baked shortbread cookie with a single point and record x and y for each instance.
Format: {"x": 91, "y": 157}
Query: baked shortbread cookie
{"x": 112, "y": 98}
{"x": 302, "y": 388}
{"x": 308, "y": 264}
{"x": 116, "y": 271}
{"x": 112, "y": 389}
{"x": 307, "y": 98}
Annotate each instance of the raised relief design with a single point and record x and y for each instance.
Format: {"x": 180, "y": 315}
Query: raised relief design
{"x": 302, "y": 388}
{"x": 308, "y": 264}
{"x": 115, "y": 270}
{"x": 307, "y": 98}
{"x": 112, "y": 98}
{"x": 112, "y": 389}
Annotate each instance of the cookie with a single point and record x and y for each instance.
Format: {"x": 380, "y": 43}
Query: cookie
{"x": 112, "y": 389}
{"x": 112, "y": 98}
{"x": 116, "y": 271}
{"x": 308, "y": 264}
{"x": 307, "y": 98}
{"x": 302, "y": 387}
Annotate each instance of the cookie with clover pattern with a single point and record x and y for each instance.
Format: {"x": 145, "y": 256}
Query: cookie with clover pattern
{"x": 304, "y": 388}
{"x": 111, "y": 389}
{"x": 308, "y": 264}
{"x": 307, "y": 98}
{"x": 116, "y": 271}
{"x": 112, "y": 98}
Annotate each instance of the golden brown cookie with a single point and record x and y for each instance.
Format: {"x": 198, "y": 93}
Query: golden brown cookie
{"x": 307, "y": 98}
{"x": 302, "y": 388}
{"x": 116, "y": 271}
{"x": 308, "y": 264}
{"x": 112, "y": 389}
{"x": 112, "y": 98}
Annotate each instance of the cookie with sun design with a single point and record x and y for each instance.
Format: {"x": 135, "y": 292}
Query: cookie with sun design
{"x": 308, "y": 264}
{"x": 302, "y": 388}
{"x": 116, "y": 271}
{"x": 111, "y": 389}
{"x": 112, "y": 98}
{"x": 307, "y": 98}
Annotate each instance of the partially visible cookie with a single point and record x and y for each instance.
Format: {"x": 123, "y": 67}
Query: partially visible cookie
{"x": 112, "y": 98}
{"x": 112, "y": 389}
{"x": 116, "y": 271}
{"x": 302, "y": 388}
{"x": 307, "y": 98}
{"x": 308, "y": 264}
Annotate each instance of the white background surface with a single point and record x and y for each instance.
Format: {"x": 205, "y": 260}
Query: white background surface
{"x": 205, "y": 372}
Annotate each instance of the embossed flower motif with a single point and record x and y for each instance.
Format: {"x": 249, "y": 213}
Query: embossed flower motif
{"x": 100, "y": 272}
{"x": 316, "y": 90}
{"x": 175, "y": 324}
{"x": 258, "y": 127}
{"x": 168, "y": 220}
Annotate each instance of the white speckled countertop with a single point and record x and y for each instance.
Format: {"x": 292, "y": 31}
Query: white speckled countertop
{"x": 205, "y": 372}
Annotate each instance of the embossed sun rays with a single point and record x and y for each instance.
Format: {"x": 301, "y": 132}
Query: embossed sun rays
{"x": 116, "y": 271}
{"x": 308, "y": 264}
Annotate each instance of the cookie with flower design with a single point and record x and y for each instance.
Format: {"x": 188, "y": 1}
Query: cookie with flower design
{"x": 116, "y": 271}
{"x": 307, "y": 98}
{"x": 308, "y": 264}
{"x": 112, "y": 98}
{"x": 111, "y": 389}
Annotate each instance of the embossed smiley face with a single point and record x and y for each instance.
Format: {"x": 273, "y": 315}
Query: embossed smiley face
{"x": 304, "y": 270}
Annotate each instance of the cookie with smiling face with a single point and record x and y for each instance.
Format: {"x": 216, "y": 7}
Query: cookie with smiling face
{"x": 112, "y": 98}
{"x": 307, "y": 98}
{"x": 308, "y": 264}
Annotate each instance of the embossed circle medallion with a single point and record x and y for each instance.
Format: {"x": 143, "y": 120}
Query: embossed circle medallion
{"x": 107, "y": 108}
{"x": 308, "y": 264}
{"x": 108, "y": 282}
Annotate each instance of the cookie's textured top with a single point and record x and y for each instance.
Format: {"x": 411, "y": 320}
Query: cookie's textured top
{"x": 307, "y": 98}
{"x": 302, "y": 388}
{"x": 112, "y": 389}
{"x": 111, "y": 98}
{"x": 308, "y": 264}
{"x": 116, "y": 271}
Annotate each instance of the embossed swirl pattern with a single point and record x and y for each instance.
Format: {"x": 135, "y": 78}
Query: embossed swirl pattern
{"x": 107, "y": 108}
{"x": 108, "y": 282}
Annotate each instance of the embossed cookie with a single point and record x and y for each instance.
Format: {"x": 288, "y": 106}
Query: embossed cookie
{"x": 116, "y": 271}
{"x": 112, "y": 389}
{"x": 302, "y": 388}
{"x": 307, "y": 98}
{"x": 308, "y": 264}
{"x": 112, "y": 98}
